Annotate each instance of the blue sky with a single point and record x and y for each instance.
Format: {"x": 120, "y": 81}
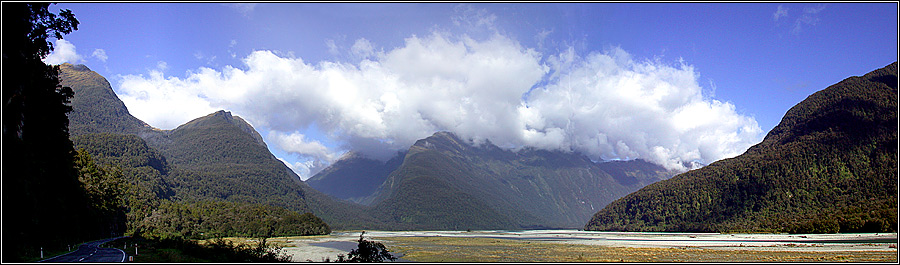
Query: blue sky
{"x": 670, "y": 82}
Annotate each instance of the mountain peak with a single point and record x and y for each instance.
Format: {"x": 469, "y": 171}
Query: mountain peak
{"x": 223, "y": 118}
{"x": 835, "y": 106}
{"x": 223, "y": 113}
{"x": 95, "y": 106}
{"x": 442, "y": 140}
{"x": 76, "y": 67}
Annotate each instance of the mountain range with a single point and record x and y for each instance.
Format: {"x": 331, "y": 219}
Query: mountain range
{"x": 829, "y": 166}
{"x": 835, "y": 151}
{"x": 441, "y": 182}
{"x": 444, "y": 182}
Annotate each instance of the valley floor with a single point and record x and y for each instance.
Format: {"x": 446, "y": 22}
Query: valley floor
{"x": 585, "y": 246}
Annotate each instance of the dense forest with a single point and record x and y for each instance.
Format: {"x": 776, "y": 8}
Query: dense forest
{"x": 196, "y": 191}
{"x": 830, "y": 166}
{"x": 106, "y": 112}
{"x": 218, "y": 157}
{"x": 106, "y": 180}
{"x": 214, "y": 219}
{"x": 44, "y": 204}
{"x": 154, "y": 210}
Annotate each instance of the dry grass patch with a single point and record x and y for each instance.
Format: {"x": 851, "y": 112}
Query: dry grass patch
{"x": 459, "y": 249}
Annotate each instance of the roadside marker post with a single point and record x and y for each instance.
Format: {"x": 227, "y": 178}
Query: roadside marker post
{"x": 42, "y": 252}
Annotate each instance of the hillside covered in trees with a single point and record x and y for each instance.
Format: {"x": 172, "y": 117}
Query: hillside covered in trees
{"x": 829, "y": 166}
{"x": 445, "y": 182}
{"x": 210, "y": 177}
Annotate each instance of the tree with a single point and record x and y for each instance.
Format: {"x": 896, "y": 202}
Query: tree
{"x": 368, "y": 251}
{"x": 40, "y": 184}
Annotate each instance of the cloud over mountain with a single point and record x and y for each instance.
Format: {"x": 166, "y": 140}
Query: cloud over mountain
{"x": 604, "y": 104}
{"x": 63, "y": 51}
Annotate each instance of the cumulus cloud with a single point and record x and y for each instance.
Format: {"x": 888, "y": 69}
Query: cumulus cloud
{"x": 298, "y": 144}
{"x": 100, "y": 54}
{"x": 164, "y": 102}
{"x": 63, "y": 51}
{"x": 610, "y": 106}
{"x": 603, "y": 104}
{"x": 314, "y": 154}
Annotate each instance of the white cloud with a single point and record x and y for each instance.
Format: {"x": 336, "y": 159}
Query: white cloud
{"x": 470, "y": 17}
{"x": 305, "y": 169}
{"x": 315, "y": 156}
{"x": 63, "y": 51}
{"x": 603, "y": 104}
{"x": 780, "y": 12}
{"x": 162, "y": 66}
{"x": 610, "y": 106}
{"x": 100, "y": 54}
{"x": 810, "y": 17}
{"x": 298, "y": 144}
{"x": 362, "y": 49}
{"x": 231, "y": 48}
{"x": 164, "y": 102}
{"x": 332, "y": 47}
{"x": 541, "y": 36}
{"x": 244, "y": 8}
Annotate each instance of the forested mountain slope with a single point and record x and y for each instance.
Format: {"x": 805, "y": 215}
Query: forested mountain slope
{"x": 96, "y": 108}
{"x": 216, "y": 158}
{"x": 441, "y": 182}
{"x": 829, "y": 166}
{"x": 445, "y": 182}
{"x": 214, "y": 161}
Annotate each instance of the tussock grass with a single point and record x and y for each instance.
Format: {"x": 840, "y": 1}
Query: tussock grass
{"x": 456, "y": 249}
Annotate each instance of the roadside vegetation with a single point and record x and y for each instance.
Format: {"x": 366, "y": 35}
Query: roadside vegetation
{"x": 179, "y": 250}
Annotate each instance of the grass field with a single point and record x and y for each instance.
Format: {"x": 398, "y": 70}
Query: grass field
{"x": 462, "y": 249}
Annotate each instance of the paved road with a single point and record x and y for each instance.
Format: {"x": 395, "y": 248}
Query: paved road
{"x": 90, "y": 252}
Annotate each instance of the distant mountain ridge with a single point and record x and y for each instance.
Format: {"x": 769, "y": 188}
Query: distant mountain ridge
{"x": 444, "y": 182}
{"x": 354, "y": 177}
{"x": 829, "y": 166}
